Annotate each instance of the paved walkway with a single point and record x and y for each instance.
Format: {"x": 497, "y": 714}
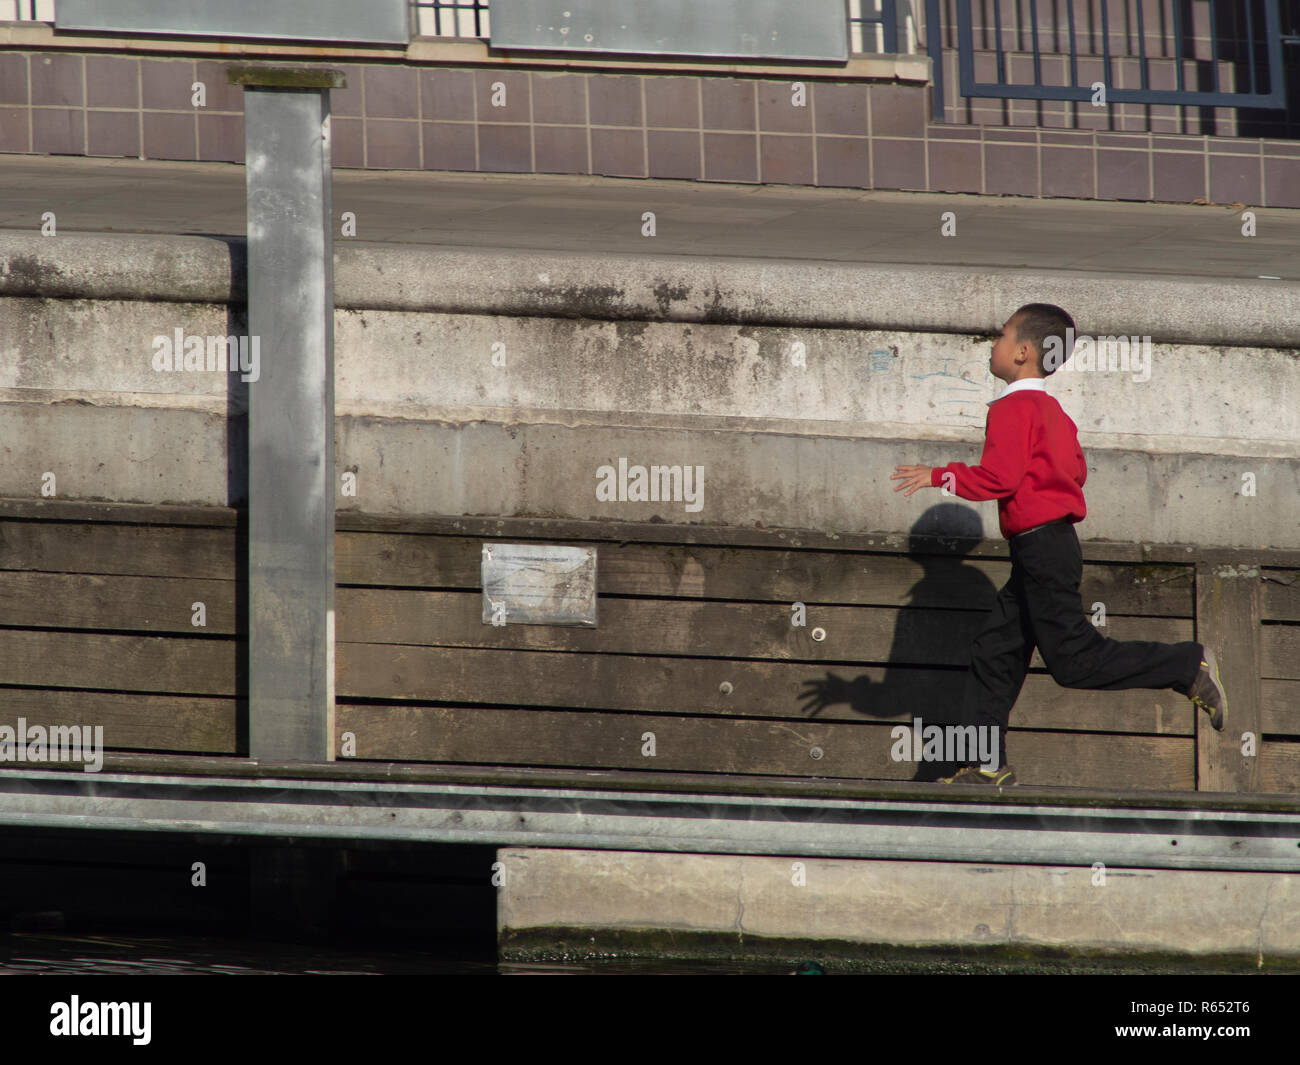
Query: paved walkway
{"x": 560, "y": 212}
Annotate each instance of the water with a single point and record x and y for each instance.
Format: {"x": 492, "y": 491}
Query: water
{"x": 82, "y": 903}
{"x": 56, "y": 954}
{"x": 50, "y": 954}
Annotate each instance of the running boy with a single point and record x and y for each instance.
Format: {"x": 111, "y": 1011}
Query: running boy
{"x": 1033, "y": 466}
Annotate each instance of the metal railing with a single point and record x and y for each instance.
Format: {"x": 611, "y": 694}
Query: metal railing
{"x": 1244, "y": 39}
{"x": 30, "y": 10}
{"x": 452, "y": 18}
{"x": 879, "y": 26}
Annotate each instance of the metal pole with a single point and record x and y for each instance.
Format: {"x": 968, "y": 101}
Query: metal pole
{"x": 934, "y": 46}
{"x": 290, "y": 411}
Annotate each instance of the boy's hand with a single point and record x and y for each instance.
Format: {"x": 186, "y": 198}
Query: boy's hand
{"x": 912, "y": 478}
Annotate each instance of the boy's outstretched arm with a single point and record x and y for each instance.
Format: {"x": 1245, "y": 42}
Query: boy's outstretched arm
{"x": 913, "y": 477}
{"x": 1002, "y": 465}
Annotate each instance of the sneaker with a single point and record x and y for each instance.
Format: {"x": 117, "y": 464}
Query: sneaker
{"x": 973, "y": 774}
{"x": 1207, "y": 692}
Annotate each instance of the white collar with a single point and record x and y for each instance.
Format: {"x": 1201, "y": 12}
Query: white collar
{"x": 1037, "y": 384}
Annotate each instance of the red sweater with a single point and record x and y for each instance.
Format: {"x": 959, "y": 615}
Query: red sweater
{"x": 1032, "y": 463}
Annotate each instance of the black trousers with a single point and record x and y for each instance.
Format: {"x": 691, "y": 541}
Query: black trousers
{"x": 1040, "y": 607}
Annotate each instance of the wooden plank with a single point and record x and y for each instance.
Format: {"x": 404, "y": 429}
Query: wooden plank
{"x": 85, "y": 601}
{"x": 409, "y": 561}
{"x": 1280, "y": 600}
{"x": 756, "y": 689}
{"x": 1279, "y": 651}
{"x": 1280, "y": 712}
{"x": 721, "y": 745}
{"x": 647, "y": 532}
{"x": 573, "y": 530}
{"x": 128, "y": 513}
{"x": 132, "y": 550}
{"x": 117, "y": 663}
{"x": 698, "y": 572}
{"x": 686, "y": 628}
{"x": 136, "y": 722}
{"x": 1227, "y": 620}
{"x": 1279, "y": 769}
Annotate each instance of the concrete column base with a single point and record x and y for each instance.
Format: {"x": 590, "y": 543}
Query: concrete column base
{"x": 581, "y": 903}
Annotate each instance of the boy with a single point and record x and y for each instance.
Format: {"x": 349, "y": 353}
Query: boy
{"x": 1033, "y": 466}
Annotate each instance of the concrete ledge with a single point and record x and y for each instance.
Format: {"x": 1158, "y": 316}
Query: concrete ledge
{"x": 700, "y": 904}
{"x": 665, "y": 288}
{"x": 834, "y": 295}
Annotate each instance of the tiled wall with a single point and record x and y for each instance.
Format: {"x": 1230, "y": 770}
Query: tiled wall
{"x": 723, "y": 128}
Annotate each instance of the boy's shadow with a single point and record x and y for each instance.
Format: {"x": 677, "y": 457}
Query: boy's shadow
{"x": 914, "y": 685}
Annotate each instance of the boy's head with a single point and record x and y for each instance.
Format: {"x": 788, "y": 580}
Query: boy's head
{"x": 1019, "y": 352}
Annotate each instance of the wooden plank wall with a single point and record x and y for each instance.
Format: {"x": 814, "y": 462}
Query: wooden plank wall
{"x": 97, "y": 604}
{"x": 695, "y": 646}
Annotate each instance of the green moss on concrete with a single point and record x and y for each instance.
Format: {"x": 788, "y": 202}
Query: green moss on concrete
{"x": 648, "y": 945}
{"x": 269, "y": 77}
{"x": 1157, "y": 573}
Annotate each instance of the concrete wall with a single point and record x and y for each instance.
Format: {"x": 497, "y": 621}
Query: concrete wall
{"x": 703, "y": 903}
{"x": 484, "y": 382}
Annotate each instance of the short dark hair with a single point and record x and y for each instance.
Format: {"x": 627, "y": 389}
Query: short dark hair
{"x": 1036, "y": 323}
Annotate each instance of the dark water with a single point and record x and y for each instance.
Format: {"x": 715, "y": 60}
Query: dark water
{"x": 54, "y": 954}
{"x": 118, "y": 955}
{"x": 81, "y": 903}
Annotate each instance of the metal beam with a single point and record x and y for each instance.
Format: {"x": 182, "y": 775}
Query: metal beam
{"x": 962, "y": 831}
{"x": 290, "y": 411}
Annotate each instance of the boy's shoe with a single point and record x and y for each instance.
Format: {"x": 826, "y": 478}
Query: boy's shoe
{"x": 973, "y": 774}
{"x": 1206, "y": 691}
